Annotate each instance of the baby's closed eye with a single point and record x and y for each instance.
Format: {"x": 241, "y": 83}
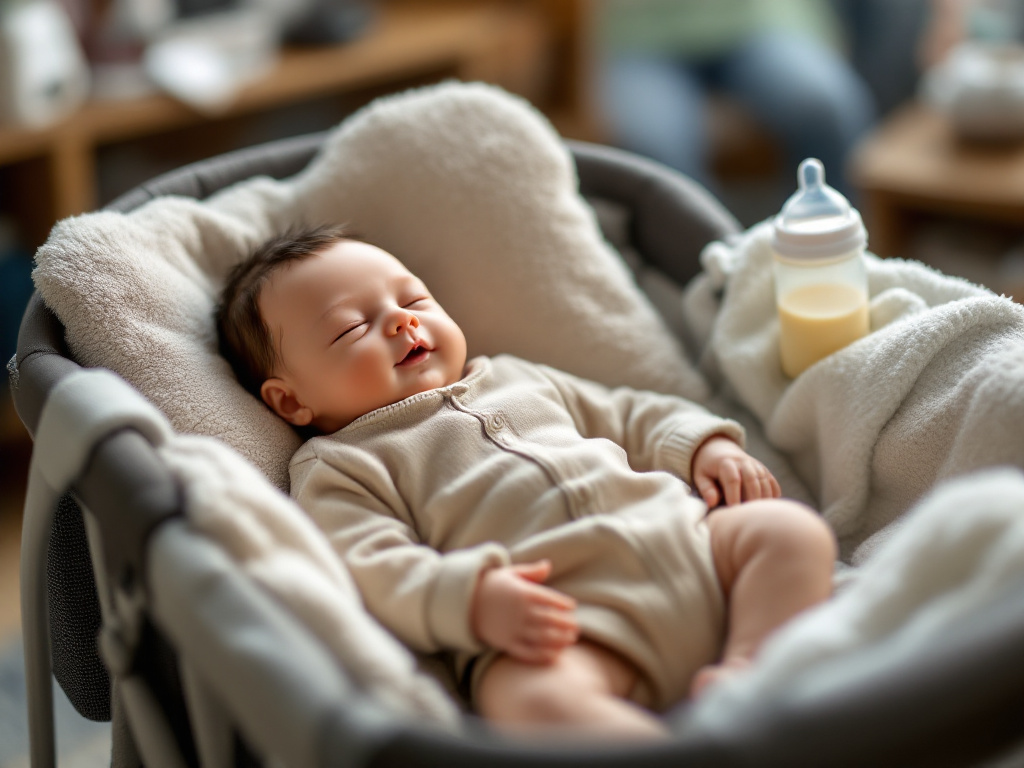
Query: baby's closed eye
{"x": 352, "y": 331}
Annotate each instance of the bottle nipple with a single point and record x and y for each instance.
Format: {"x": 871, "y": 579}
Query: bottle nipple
{"x": 817, "y": 221}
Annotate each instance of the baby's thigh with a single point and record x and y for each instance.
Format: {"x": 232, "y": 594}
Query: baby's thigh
{"x": 510, "y": 690}
{"x": 779, "y": 528}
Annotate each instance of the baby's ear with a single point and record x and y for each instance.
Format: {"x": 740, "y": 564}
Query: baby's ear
{"x": 282, "y": 401}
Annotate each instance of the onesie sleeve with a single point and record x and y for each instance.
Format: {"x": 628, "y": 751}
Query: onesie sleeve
{"x": 657, "y": 431}
{"x": 422, "y": 596}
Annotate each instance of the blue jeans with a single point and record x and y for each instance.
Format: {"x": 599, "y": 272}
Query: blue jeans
{"x": 800, "y": 90}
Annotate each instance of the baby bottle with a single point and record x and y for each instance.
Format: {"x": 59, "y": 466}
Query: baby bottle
{"x": 821, "y": 285}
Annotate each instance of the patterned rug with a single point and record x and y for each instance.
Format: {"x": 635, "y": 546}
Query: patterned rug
{"x": 80, "y": 742}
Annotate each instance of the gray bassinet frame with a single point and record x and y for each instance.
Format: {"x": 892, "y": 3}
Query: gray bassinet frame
{"x": 199, "y": 667}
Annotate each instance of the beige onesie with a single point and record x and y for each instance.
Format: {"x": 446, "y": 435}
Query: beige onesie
{"x": 517, "y": 462}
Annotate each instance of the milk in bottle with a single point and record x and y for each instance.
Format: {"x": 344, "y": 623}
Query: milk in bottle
{"x": 820, "y": 278}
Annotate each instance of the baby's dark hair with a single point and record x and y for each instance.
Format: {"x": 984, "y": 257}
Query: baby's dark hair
{"x": 244, "y": 339}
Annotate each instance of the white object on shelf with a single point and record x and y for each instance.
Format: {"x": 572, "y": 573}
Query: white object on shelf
{"x": 981, "y": 87}
{"x": 43, "y": 73}
{"x": 205, "y": 61}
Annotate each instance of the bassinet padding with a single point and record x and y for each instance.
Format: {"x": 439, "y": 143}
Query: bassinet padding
{"x": 469, "y": 186}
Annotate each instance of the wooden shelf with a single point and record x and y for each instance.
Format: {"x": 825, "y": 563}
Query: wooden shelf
{"x": 507, "y": 43}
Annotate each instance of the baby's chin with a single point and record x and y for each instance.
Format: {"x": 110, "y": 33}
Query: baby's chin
{"x": 434, "y": 378}
{"x": 428, "y": 383}
{"x": 425, "y": 386}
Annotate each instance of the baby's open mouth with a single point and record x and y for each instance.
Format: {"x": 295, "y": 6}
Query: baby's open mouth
{"x": 416, "y": 354}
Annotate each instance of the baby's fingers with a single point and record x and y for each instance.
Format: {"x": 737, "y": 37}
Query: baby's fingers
{"x": 541, "y": 596}
{"x": 551, "y": 637}
{"x": 770, "y": 486}
{"x": 708, "y": 490}
{"x": 551, "y": 618}
{"x": 541, "y": 645}
{"x": 731, "y": 479}
{"x": 753, "y": 485}
{"x": 759, "y": 483}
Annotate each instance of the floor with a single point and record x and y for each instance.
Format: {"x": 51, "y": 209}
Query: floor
{"x": 15, "y": 448}
{"x": 10, "y": 535}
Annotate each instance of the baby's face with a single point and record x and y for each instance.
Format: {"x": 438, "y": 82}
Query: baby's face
{"x": 355, "y": 331}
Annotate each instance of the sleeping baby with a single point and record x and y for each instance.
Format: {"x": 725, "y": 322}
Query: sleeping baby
{"x": 539, "y": 527}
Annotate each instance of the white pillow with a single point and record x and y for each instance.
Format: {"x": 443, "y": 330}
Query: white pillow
{"x": 470, "y": 187}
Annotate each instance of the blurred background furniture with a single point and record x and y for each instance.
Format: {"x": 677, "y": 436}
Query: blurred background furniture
{"x": 927, "y": 194}
{"x": 913, "y": 164}
{"x": 531, "y": 48}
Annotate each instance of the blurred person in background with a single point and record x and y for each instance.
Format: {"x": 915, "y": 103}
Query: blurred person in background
{"x": 953, "y": 22}
{"x": 659, "y": 60}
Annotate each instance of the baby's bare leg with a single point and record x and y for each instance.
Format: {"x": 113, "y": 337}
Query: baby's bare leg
{"x": 774, "y": 558}
{"x": 583, "y": 689}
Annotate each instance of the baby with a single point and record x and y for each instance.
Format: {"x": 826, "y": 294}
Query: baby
{"x": 538, "y": 526}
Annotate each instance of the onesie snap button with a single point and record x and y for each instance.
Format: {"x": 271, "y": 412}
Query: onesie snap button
{"x": 497, "y": 423}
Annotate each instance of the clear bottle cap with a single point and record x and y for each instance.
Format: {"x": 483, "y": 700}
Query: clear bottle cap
{"x": 817, "y": 222}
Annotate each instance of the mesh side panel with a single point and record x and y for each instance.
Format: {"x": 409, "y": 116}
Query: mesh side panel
{"x": 75, "y": 615}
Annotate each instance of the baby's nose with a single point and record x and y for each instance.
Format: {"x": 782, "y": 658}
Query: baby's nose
{"x": 403, "y": 320}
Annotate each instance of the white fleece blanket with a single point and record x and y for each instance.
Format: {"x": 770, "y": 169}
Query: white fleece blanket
{"x": 898, "y": 439}
{"x": 934, "y": 392}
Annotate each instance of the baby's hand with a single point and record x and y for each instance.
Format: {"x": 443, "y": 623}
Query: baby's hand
{"x": 512, "y": 612}
{"x": 723, "y": 470}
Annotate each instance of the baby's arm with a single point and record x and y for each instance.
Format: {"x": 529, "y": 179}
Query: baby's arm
{"x": 724, "y": 472}
{"x": 513, "y": 612}
{"x": 423, "y": 596}
{"x": 657, "y": 431}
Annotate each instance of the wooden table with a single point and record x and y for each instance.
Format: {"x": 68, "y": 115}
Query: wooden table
{"x": 500, "y": 42}
{"x": 914, "y": 165}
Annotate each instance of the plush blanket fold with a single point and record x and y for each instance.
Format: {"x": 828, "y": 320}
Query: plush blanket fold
{"x": 899, "y": 438}
{"x": 934, "y": 392}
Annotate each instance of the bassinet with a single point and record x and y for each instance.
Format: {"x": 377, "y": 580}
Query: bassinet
{"x": 182, "y": 609}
